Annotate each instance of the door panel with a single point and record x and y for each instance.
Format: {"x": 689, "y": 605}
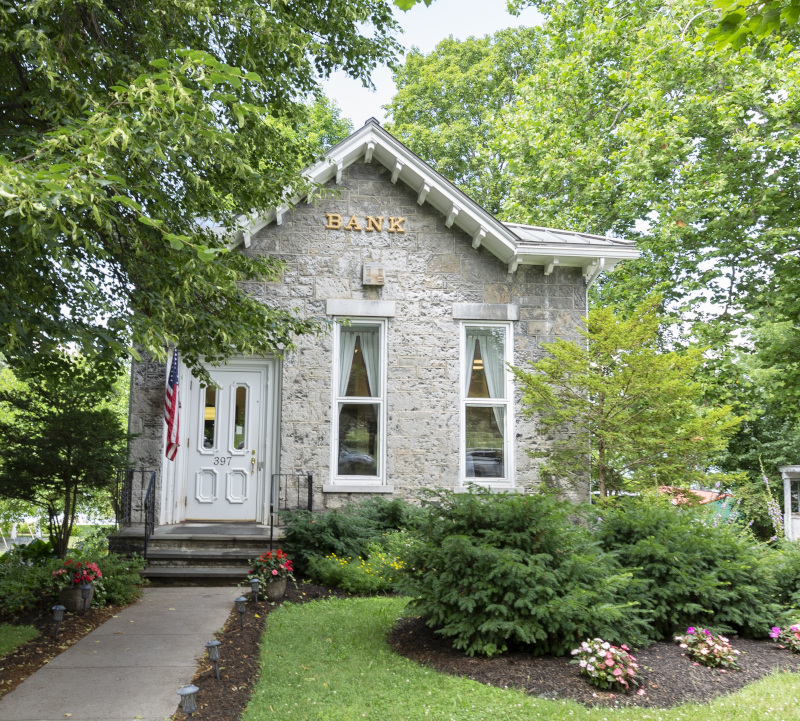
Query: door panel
{"x": 227, "y": 448}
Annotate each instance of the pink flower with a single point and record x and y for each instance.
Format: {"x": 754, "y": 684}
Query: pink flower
{"x": 274, "y": 572}
{"x": 609, "y": 662}
{"x": 624, "y": 647}
{"x": 641, "y": 692}
{"x": 690, "y": 629}
{"x": 617, "y": 672}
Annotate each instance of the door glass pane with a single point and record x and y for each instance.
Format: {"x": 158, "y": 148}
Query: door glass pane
{"x": 485, "y": 449}
{"x": 240, "y": 418}
{"x": 485, "y": 362}
{"x": 358, "y": 439}
{"x": 359, "y": 362}
{"x": 795, "y": 496}
{"x": 210, "y": 418}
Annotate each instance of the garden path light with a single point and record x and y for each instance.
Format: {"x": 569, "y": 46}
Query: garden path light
{"x": 188, "y": 696}
{"x": 254, "y": 586}
{"x": 58, "y": 616}
{"x": 241, "y": 606}
{"x": 213, "y": 655}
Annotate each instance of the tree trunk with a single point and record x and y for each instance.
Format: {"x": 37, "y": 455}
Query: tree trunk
{"x": 601, "y": 468}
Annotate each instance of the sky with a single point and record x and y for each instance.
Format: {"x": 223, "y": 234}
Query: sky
{"x": 424, "y": 27}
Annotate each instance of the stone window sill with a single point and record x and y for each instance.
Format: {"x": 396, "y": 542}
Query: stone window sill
{"x": 496, "y": 487}
{"x": 356, "y": 488}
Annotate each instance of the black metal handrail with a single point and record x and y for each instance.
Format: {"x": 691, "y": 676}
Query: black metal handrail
{"x": 149, "y": 511}
{"x": 290, "y": 492}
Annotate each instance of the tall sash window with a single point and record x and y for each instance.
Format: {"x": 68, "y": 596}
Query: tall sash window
{"x": 486, "y": 410}
{"x": 359, "y": 382}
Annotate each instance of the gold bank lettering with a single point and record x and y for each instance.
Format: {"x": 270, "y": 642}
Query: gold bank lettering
{"x": 371, "y": 223}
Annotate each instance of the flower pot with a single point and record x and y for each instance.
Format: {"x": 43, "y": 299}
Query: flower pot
{"x": 274, "y": 590}
{"x": 72, "y": 600}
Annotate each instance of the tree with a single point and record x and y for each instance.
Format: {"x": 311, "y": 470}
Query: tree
{"x": 446, "y": 102}
{"x": 130, "y": 133}
{"x": 62, "y": 438}
{"x": 621, "y": 409}
{"x": 634, "y": 125}
{"x": 746, "y": 20}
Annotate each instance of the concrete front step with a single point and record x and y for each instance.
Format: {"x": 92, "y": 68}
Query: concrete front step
{"x": 196, "y": 553}
{"x": 251, "y": 544}
{"x": 201, "y": 556}
{"x": 195, "y": 575}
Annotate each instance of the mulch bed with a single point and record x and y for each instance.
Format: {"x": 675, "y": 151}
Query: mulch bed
{"x": 226, "y": 699}
{"x": 31, "y": 656}
{"x": 669, "y": 677}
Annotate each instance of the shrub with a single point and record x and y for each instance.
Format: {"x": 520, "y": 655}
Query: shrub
{"x": 345, "y": 532}
{"x": 121, "y": 582}
{"x": 688, "y": 572}
{"x": 707, "y": 649}
{"x": 783, "y": 561}
{"x": 378, "y": 571}
{"x": 491, "y": 570}
{"x": 606, "y": 665}
{"x": 24, "y": 585}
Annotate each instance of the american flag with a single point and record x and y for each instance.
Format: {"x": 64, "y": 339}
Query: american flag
{"x": 171, "y": 409}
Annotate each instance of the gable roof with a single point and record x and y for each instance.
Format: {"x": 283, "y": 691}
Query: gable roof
{"x": 513, "y": 243}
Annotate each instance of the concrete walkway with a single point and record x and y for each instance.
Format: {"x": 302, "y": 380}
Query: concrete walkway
{"x": 131, "y": 667}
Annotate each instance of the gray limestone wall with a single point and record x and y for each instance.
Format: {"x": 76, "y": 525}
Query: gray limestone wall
{"x": 146, "y": 428}
{"x": 428, "y": 269}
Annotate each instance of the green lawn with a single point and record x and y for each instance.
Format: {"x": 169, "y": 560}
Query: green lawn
{"x": 328, "y": 660}
{"x": 13, "y": 636}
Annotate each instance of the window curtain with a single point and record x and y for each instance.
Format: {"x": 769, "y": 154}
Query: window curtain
{"x": 370, "y": 347}
{"x": 347, "y": 345}
{"x": 469, "y": 360}
{"x": 493, "y": 366}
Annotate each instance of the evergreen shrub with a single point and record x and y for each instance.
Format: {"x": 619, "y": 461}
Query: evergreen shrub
{"x": 783, "y": 561}
{"x": 346, "y": 532}
{"x": 494, "y": 570}
{"x": 687, "y": 572}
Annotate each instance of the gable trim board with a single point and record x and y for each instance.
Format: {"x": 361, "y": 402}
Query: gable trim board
{"x": 514, "y": 244}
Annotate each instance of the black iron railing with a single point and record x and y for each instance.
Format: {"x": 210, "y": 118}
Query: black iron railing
{"x": 290, "y": 492}
{"x": 131, "y": 489}
{"x": 135, "y": 500}
{"x": 149, "y": 511}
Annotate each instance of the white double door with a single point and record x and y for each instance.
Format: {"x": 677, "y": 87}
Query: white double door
{"x": 227, "y": 466}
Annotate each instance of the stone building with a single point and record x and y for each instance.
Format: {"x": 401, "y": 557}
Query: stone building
{"x": 429, "y": 298}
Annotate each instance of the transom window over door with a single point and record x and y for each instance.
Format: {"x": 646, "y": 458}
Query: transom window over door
{"x": 486, "y": 403}
{"x": 359, "y": 405}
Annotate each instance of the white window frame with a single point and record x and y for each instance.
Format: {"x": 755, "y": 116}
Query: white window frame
{"x": 508, "y": 481}
{"x": 364, "y": 483}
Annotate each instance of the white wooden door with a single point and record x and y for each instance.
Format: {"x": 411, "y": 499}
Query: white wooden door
{"x": 227, "y": 448}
